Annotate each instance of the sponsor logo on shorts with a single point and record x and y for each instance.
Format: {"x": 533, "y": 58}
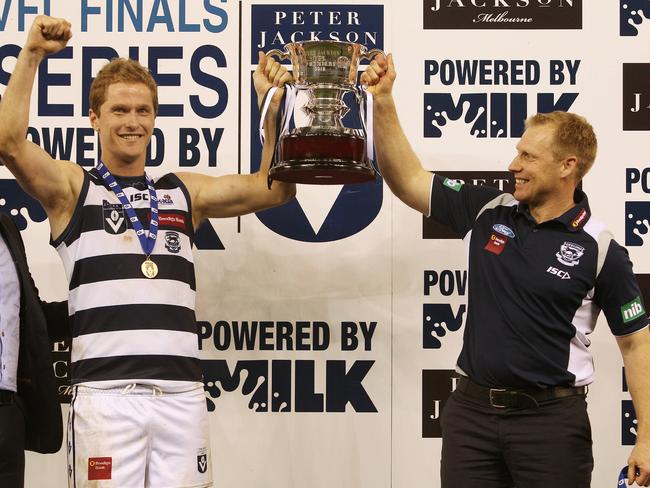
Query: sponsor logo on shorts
{"x": 100, "y": 468}
{"x": 202, "y": 461}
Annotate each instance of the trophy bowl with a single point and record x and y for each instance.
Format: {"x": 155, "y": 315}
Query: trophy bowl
{"x": 323, "y": 152}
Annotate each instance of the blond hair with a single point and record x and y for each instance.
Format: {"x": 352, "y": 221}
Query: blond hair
{"x": 573, "y": 135}
{"x": 121, "y": 70}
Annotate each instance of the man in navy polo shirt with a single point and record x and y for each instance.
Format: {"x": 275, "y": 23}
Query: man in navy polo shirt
{"x": 540, "y": 271}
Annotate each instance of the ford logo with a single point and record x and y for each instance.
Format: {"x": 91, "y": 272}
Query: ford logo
{"x": 503, "y": 229}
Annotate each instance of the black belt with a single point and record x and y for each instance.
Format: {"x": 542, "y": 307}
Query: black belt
{"x": 514, "y": 397}
{"x": 7, "y": 397}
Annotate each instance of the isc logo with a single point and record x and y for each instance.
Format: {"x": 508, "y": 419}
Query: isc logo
{"x": 139, "y": 196}
{"x": 559, "y": 273}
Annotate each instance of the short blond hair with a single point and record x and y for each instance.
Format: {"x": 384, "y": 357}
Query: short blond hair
{"x": 121, "y": 70}
{"x": 573, "y": 135}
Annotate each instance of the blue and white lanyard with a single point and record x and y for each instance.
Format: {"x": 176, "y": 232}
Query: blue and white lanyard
{"x": 147, "y": 242}
{"x": 622, "y": 477}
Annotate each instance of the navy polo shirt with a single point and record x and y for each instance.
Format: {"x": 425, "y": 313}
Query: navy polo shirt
{"x": 535, "y": 290}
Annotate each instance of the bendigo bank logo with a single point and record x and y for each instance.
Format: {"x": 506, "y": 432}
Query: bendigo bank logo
{"x": 356, "y": 206}
{"x": 502, "y": 14}
{"x": 633, "y": 13}
{"x": 437, "y": 387}
{"x": 503, "y": 180}
{"x": 636, "y": 96}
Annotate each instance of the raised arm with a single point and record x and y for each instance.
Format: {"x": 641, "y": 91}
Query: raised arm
{"x": 398, "y": 163}
{"x": 55, "y": 184}
{"x": 233, "y": 195}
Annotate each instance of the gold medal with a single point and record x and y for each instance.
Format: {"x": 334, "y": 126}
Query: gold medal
{"x": 149, "y": 268}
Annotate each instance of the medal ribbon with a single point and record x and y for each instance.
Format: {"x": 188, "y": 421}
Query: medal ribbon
{"x": 622, "y": 477}
{"x": 146, "y": 242}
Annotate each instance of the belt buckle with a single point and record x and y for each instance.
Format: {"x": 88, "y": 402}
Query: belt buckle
{"x": 492, "y": 392}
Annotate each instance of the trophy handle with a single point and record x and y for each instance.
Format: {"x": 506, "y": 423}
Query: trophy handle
{"x": 371, "y": 54}
{"x": 280, "y": 54}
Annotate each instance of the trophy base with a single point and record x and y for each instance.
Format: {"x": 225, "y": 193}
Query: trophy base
{"x": 322, "y": 159}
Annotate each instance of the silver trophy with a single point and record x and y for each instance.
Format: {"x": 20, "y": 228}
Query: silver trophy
{"x": 324, "y": 152}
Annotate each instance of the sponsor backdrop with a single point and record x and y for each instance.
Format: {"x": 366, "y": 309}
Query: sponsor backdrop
{"x": 329, "y": 328}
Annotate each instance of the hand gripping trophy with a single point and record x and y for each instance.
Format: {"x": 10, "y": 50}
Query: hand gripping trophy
{"x": 324, "y": 152}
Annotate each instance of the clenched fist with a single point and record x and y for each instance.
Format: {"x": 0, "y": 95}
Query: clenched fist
{"x": 48, "y": 35}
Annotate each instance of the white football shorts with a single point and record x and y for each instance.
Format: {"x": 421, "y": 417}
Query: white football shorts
{"x": 138, "y": 436}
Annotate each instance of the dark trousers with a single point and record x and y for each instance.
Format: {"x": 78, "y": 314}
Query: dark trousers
{"x": 12, "y": 445}
{"x": 488, "y": 447}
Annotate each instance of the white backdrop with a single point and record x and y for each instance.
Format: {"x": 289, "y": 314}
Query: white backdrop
{"x": 343, "y": 258}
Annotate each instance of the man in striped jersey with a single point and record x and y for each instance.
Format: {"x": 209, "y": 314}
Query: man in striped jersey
{"x": 540, "y": 270}
{"x": 138, "y": 415}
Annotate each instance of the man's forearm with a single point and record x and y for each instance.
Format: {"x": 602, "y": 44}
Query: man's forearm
{"x": 398, "y": 163}
{"x": 636, "y": 357}
{"x": 14, "y": 107}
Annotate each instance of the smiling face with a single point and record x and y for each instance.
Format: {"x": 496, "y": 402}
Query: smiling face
{"x": 539, "y": 175}
{"x": 125, "y": 122}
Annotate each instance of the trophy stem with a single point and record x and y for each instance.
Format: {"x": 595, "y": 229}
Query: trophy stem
{"x": 325, "y": 106}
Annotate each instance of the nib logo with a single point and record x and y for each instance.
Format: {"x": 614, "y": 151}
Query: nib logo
{"x": 437, "y": 319}
{"x": 633, "y": 310}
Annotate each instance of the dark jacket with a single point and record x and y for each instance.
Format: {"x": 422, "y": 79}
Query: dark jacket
{"x": 37, "y": 390}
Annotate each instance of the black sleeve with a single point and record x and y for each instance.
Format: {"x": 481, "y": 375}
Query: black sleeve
{"x": 617, "y": 293}
{"x": 56, "y": 313}
{"x": 58, "y": 321}
{"x": 457, "y": 204}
